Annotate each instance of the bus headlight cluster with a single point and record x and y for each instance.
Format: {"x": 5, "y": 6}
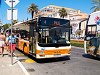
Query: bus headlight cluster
{"x": 41, "y": 52}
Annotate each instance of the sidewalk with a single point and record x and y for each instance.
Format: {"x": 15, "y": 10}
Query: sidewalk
{"x": 6, "y": 68}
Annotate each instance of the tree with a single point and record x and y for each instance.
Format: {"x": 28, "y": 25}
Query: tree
{"x": 78, "y": 32}
{"x": 32, "y": 8}
{"x": 6, "y": 26}
{"x": 15, "y": 21}
{"x": 62, "y": 12}
{"x": 96, "y": 6}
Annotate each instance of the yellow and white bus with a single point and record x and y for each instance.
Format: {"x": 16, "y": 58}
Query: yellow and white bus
{"x": 47, "y": 38}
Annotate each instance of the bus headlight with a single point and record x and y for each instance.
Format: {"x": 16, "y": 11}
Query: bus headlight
{"x": 41, "y": 52}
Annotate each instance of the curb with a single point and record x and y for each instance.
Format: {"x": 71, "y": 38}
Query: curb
{"x": 21, "y": 66}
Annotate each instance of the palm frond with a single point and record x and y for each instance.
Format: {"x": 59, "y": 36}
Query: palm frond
{"x": 32, "y": 8}
{"x": 93, "y": 7}
{"x": 96, "y": 6}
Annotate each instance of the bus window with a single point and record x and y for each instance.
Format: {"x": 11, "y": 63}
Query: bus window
{"x": 43, "y": 35}
{"x": 22, "y": 33}
{"x": 91, "y": 30}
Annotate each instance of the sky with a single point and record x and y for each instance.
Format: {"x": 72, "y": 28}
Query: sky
{"x": 22, "y": 6}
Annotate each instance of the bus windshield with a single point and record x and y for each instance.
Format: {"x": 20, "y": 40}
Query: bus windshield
{"x": 58, "y": 35}
{"x": 54, "y": 35}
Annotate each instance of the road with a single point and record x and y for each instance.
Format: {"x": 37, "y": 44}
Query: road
{"x": 78, "y": 64}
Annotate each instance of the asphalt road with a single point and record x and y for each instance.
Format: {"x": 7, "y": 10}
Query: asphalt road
{"x": 78, "y": 64}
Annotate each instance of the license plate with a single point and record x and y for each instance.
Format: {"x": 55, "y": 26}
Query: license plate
{"x": 57, "y": 55}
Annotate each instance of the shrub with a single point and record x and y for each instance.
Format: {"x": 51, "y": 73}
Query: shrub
{"x": 78, "y": 43}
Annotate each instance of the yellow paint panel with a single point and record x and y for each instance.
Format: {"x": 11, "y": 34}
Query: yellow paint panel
{"x": 29, "y": 60}
{"x": 26, "y": 50}
{"x": 21, "y": 44}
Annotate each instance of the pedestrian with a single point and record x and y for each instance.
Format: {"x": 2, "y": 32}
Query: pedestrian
{"x": 7, "y": 35}
{"x": 2, "y": 43}
{"x": 11, "y": 41}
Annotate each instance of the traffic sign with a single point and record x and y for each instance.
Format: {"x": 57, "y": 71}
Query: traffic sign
{"x": 9, "y": 2}
{"x": 9, "y": 14}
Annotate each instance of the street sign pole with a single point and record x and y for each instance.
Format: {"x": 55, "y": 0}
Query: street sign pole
{"x": 12, "y": 3}
{"x": 11, "y": 31}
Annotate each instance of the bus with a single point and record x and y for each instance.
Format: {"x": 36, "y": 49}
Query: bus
{"x": 92, "y": 35}
{"x": 48, "y": 38}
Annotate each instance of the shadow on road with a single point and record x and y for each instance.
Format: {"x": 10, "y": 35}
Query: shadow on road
{"x": 91, "y": 57}
{"x": 49, "y": 60}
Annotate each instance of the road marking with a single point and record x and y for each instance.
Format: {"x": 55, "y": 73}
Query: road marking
{"x": 28, "y": 60}
{"x": 22, "y": 67}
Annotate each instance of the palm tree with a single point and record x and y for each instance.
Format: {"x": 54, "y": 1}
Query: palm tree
{"x": 96, "y": 6}
{"x": 32, "y": 9}
{"x": 62, "y": 12}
